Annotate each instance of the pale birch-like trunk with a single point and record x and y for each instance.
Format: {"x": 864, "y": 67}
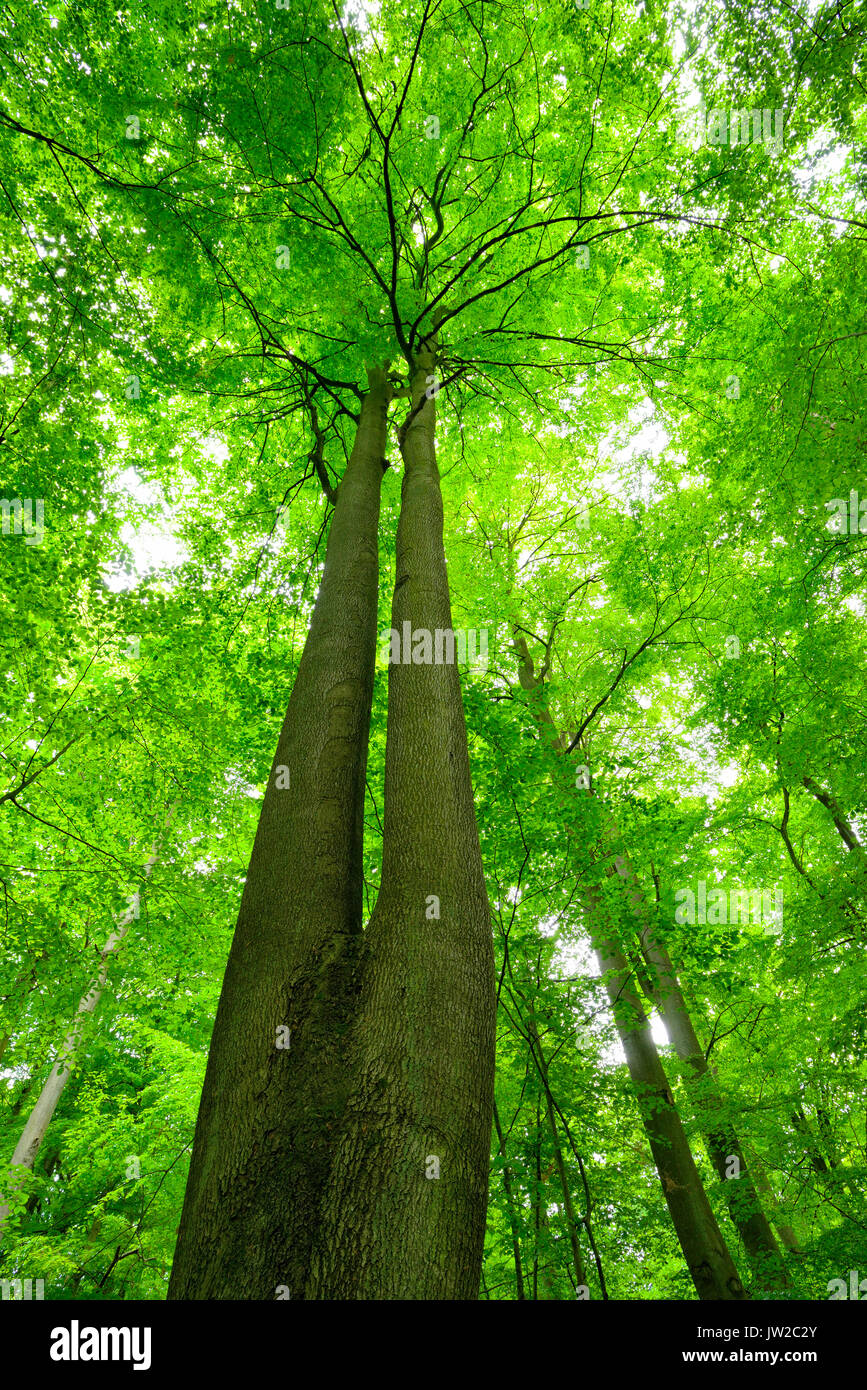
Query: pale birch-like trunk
{"x": 40, "y": 1117}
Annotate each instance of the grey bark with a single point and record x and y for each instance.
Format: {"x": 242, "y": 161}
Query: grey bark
{"x": 720, "y": 1138}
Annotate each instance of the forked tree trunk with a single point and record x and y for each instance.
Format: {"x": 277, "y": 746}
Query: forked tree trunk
{"x": 404, "y": 1214}
{"x": 275, "y": 1084}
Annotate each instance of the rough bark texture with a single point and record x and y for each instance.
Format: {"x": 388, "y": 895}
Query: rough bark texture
{"x": 423, "y": 1050}
{"x": 269, "y": 1114}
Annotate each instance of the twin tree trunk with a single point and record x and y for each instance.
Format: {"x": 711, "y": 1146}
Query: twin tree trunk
{"x": 404, "y": 1213}
{"x": 353, "y": 1162}
{"x": 275, "y": 1086}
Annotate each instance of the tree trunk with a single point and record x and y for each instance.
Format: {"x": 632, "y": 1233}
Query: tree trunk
{"x": 704, "y": 1249}
{"x": 707, "y": 1256}
{"x": 817, "y": 1160}
{"x": 568, "y": 1205}
{"x": 40, "y": 1117}
{"x": 841, "y": 824}
{"x": 275, "y": 1084}
{"x": 542, "y": 1278}
{"x": 721, "y": 1140}
{"x": 50, "y": 1162}
{"x": 510, "y": 1207}
{"x": 404, "y": 1215}
{"x": 784, "y": 1230}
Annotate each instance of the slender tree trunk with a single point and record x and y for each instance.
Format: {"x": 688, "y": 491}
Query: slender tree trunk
{"x": 40, "y": 1117}
{"x": 275, "y": 1084}
{"x": 90, "y": 1240}
{"x": 835, "y": 1177}
{"x": 423, "y": 1052}
{"x": 817, "y": 1160}
{"x": 50, "y": 1161}
{"x": 704, "y": 1249}
{"x": 18, "y": 1103}
{"x": 721, "y": 1140}
{"x": 544, "y": 1289}
{"x": 510, "y": 1208}
{"x": 827, "y": 1136}
{"x": 707, "y": 1257}
{"x": 841, "y": 824}
{"x": 568, "y": 1205}
{"x": 530, "y": 1035}
{"x": 537, "y": 1198}
{"x": 784, "y": 1230}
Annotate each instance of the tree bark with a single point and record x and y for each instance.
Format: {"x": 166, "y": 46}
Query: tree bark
{"x": 784, "y": 1230}
{"x": 841, "y": 824}
{"x": 423, "y": 1050}
{"x": 704, "y": 1249}
{"x": 272, "y": 1099}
